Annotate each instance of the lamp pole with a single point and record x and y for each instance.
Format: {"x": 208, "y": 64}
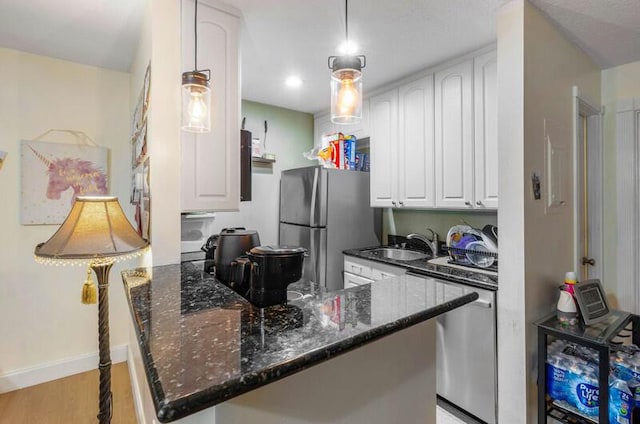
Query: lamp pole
{"x": 102, "y": 269}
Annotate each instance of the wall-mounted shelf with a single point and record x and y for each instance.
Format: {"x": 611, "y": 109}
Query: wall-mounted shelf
{"x": 262, "y": 160}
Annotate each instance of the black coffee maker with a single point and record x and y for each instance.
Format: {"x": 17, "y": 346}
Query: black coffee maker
{"x": 263, "y": 274}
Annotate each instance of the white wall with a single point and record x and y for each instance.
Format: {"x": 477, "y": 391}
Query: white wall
{"x": 164, "y": 127}
{"x": 403, "y": 222}
{"x": 41, "y": 317}
{"x": 621, "y": 82}
{"x": 543, "y": 245}
{"x": 512, "y": 373}
{"x": 290, "y": 133}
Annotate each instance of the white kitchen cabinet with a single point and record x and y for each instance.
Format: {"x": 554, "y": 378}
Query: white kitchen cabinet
{"x": 402, "y": 146}
{"x": 357, "y": 266}
{"x": 384, "y": 149}
{"x": 416, "y": 144}
{"x": 323, "y": 126}
{"x": 454, "y": 136}
{"x": 352, "y": 280}
{"x": 210, "y": 173}
{"x": 387, "y": 301}
{"x": 370, "y": 270}
{"x": 486, "y": 130}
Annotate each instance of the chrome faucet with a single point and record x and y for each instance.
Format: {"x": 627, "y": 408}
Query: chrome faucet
{"x": 432, "y": 244}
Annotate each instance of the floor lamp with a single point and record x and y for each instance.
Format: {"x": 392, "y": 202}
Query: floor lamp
{"x": 96, "y": 232}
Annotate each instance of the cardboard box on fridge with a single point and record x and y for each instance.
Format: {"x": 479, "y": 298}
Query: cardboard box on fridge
{"x": 337, "y": 154}
{"x": 349, "y": 152}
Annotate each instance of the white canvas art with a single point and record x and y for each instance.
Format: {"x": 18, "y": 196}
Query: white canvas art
{"x": 53, "y": 174}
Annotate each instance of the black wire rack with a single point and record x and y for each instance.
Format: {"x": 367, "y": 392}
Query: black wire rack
{"x": 459, "y": 256}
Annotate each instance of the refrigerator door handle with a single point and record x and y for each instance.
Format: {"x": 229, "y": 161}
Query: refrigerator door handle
{"x": 314, "y": 198}
{"x": 314, "y": 242}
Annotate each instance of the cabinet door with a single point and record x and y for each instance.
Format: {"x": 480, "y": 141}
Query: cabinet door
{"x": 384, "y": 149}
{"x": 486, "y": 130}
{"x": 211, "y": 161}
{"x": 454, "y": 136}
{"x": 382, "y": 272}
{"x": 357, "y": 266}
{"x": 351, "y": 280}
{"x": 416, "y": 149}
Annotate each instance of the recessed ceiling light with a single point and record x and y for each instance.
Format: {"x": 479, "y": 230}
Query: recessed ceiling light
{"x": 348, "y": 47}
{"x": 293, "y": 81}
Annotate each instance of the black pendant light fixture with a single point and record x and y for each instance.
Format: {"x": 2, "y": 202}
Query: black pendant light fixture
{"x": 346, "y": 82}
{"x": 196, "y": 92}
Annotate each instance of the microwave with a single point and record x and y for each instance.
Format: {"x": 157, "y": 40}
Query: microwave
{"x": 195, "y": 229}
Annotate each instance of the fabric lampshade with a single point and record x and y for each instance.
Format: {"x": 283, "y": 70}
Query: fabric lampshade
{"x": 96, "y": 227}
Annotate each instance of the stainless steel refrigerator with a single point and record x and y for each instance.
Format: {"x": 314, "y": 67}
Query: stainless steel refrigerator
{"x": 327, "y": 211}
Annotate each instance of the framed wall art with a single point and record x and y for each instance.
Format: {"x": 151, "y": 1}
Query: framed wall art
{"x": 54, "y": 174}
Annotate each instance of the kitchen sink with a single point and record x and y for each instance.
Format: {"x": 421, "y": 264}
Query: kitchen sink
{"x": 399, "y": 254}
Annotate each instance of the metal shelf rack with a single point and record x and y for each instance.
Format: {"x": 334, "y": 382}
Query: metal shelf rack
{"x": 597, "y": 337}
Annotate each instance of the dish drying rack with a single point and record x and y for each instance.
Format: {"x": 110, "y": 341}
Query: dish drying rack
{"x": 458, "y": 256}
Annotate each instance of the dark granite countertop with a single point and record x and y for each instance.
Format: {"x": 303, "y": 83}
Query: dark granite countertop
{"x": 423, "y": 267}
{"x": 202, "y": 344}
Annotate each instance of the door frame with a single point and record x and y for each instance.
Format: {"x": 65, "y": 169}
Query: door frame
{"x": 582, "y": 106}
{"x": 627, "y": 203}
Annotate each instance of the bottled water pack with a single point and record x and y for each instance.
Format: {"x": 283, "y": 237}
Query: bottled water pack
{"x": 572, "y": 381}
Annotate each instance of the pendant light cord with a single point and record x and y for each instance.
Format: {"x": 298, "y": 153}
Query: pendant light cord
{"x": 195, "y": 30}
{"x": 346, "y": 18}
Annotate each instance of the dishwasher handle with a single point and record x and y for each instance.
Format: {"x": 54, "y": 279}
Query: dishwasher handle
{"x": 481, "y": 303}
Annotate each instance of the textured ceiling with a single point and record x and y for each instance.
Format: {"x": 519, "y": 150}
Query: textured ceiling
{"x": 400, "y": 37}
{"x": 284, "y": 37}
{"x": 607, "y": 30}
{"x": 101, "y": 33}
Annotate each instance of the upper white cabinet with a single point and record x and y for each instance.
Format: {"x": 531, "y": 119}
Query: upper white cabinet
{"x": 416, "y": 147}
{"x": 486, "y": 130}
{"x": 402, "y": 146}
{"x": 384, "y": 146}
{"x": 323, "y": 126}
{"x": 211, "y": 161}
{"x": 454, "y": 136}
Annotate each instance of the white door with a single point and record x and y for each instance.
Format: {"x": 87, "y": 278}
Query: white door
{"x": 588, "y": 186}
{"x": 416, "y": 150}
{"x": 486, "y": 130}
{"x": 384, "y": 149}
{"x": 454, "y": 136}
{"x": 210, "y": 171}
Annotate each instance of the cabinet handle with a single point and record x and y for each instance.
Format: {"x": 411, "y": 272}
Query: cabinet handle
{"x": 479, "y": 203}
{"x": 467, "y": 203}
{"x": 482, "y": 303}
{"x": 393, "y": 202}
{"x": 401, "y": 203}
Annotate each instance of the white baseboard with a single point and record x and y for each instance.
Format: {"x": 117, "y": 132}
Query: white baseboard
{"x": 135, "y": 387}
{"x": 54, "y": 370}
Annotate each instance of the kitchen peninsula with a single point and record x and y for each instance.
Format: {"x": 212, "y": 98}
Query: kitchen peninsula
{"x": 365, "y": 354}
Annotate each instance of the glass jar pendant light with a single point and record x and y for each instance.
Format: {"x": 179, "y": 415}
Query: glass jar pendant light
{"x": 196, "y": 93}
{"x": 346, "y": 83}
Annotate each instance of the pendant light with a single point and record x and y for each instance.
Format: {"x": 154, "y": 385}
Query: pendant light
{"x": 196, "y": 93}
{"x": 346, "y": 83}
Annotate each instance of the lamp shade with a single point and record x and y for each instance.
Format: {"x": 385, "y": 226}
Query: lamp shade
{"x": 196, "y": 102}
{"x": 346, "y": 89}
{"x": 96, "y": 227}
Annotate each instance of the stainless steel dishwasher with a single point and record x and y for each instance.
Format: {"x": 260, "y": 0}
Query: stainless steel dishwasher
{"x": 467, "y": 353}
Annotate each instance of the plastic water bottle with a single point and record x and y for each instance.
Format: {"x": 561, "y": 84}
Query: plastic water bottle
{"x": 620, "y": 401}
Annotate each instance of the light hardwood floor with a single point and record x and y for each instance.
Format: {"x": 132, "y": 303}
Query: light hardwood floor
{"x": 69, "y": 400}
